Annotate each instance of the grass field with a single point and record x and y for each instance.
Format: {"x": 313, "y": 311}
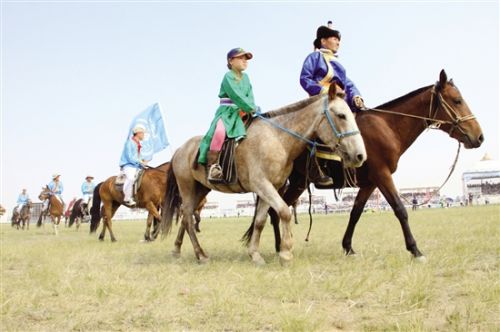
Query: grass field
{"x": 75, "y": 282}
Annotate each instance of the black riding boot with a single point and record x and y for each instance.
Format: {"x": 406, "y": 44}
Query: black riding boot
{"x": 318, "y": 177}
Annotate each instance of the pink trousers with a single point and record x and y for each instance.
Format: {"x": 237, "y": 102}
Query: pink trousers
{"x": 219, "y": 136}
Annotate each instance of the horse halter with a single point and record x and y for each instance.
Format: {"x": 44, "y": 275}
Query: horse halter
{"x": 338, "y": 134}
{"x": 455, "y": 118}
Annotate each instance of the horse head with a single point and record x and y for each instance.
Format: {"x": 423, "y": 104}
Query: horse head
{"x": 45, "y": 194}
{"x": 339, "y": 130}
{"x": 452, "y": 111}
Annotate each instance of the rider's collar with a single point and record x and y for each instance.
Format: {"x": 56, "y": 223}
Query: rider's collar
{"x": 328, "y": 52}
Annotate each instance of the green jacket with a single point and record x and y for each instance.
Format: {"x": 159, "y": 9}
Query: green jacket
{"x": 241, "y": 94}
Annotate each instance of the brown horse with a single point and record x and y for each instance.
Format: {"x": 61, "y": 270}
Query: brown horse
{"x": 264, "y": 160}
{"x": 78, "y": 212}
{"x": 388, "y": 131}
{"x": 55, "y": 208}
{"x": 2, "y": 210}
{"x": 150, "y": 197}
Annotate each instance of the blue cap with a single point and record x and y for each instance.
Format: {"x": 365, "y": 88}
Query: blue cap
{"x": 236, "y": 52}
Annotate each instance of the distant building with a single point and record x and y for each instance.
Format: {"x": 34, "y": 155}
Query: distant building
{"x": 481, "y": 183}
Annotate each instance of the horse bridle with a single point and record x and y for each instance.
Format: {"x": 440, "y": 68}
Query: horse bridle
{"x": 456, "y": 119}
{"x": 431, "y": 121}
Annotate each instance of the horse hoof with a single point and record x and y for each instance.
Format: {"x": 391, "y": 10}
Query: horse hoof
{"x": 203, "y": 260}
{"x": 176, "y": 254}
{"x": 101, "y": 239}
{"x": 421, "y": 259}
{"x": 257, "y": 259}
{"x": 285, "y": 258}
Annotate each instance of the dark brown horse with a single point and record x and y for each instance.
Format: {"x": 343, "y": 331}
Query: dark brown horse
{"x": 78, "y": 212}
{"x": 55, "y": 209}
{"x": 388, "y": 131}
{"x": 150, "y": 197}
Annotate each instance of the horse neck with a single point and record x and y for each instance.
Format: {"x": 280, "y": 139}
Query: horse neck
{"x": 302, "y": 122}
{"x": 408, "y": 129}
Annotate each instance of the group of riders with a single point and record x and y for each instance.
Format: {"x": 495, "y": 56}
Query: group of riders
{"x": 321, "y": 69}
{"x": 55, "y": 188}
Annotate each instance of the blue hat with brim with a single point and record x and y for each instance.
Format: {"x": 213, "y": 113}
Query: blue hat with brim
{"x": 237, "y": 52}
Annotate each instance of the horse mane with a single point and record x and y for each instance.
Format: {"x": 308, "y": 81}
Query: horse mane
{"x": 297, "y": 106}
{"x": 401, "y": 99}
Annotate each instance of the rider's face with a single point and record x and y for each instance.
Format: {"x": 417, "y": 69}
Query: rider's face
{"x": 332, "y": 43}
{"x": 239, "y": 63}
{"x": 140, "y": 135}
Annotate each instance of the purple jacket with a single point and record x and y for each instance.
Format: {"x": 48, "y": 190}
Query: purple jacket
{"x": 315, "y": 69}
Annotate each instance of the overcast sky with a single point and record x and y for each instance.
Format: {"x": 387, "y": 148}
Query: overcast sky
{"x": 74, "y": 74}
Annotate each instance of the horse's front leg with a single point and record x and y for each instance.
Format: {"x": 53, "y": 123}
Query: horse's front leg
{"x": 270, "y": 195}
{"x": 356, "y": 211}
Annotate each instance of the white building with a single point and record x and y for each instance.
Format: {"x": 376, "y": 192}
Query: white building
{"x": 481, "y": 183}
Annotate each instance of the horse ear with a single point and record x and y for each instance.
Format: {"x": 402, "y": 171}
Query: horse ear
{"x": 443, "y": 78}
{"x": 332, "y": 91}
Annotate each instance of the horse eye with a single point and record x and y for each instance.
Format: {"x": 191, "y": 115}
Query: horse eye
{"x": 457, "y": 101}
{"x": 341, "y": 116}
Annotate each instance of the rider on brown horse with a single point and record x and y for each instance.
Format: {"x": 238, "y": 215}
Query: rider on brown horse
{"x": 321, "y": 68}
{"x": 131, "y": 161}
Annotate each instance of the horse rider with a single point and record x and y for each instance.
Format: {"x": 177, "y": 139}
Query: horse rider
{"x": 88, "y": 189}
{"x": 22, "y": 199}
{"x": 56, "y": 188}
{"x": 236, "y": 105}
{"x": 132, "y": 161}
{"x": 322, "y": 68}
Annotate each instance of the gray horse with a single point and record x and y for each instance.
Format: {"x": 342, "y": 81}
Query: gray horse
{"x": 264, "y": 160}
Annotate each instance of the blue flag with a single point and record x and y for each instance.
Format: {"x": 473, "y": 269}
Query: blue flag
{"x": 155, "y": 139}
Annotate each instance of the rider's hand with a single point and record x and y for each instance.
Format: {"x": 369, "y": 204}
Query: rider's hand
{"x": 359, "y": 103}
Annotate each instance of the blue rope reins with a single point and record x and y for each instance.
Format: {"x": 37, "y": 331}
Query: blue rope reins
{"x": 313, "y": 144}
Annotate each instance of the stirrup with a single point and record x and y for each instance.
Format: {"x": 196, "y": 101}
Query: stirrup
{"x": 215, "y": 173}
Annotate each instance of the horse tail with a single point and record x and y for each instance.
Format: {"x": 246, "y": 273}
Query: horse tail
{"x": 171, "y": 203}
{"x": 95, "y": 210}
{"x": 74, "y": 212}
{"x": 248, "y": 234}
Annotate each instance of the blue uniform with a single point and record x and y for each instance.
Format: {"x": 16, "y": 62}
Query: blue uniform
{"x": 56, "y": 188}
{"x": 22, "y": 200}
{"x": 320, "y": 69}
{"x": 131, "y": 155}
{"x": 88, "y": 188}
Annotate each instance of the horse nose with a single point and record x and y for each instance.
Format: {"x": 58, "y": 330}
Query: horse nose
{"x": 360, "y": 157}
{"x": 480, "y": 139}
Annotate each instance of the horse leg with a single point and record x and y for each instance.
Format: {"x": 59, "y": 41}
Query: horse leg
{"x": 258, "y": 226}
{"x": 54, "y": 225}
{"x": 356, "y": 211}
{"x": 178, "y": 241}
{"x": 197, "y": 218}
{"x": 107, "y": 206}
{"x": 110, "y": 223}
{"x": 390, "y": 193}
{"x": 149, "y": 221}
{"x": 269, "y": 194}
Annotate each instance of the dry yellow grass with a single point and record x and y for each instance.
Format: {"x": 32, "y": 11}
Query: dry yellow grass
{"x": 74, "y": 282}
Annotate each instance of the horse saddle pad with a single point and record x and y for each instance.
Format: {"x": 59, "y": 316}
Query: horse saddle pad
{"x": 120, "y": 181}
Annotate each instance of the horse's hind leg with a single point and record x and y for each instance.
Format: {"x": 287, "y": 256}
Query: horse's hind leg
{"x": 109, "y": 222}
{"x": 147, "y": 233}
{"x": 178, "y": 241}
{"x": 258, "y": 226}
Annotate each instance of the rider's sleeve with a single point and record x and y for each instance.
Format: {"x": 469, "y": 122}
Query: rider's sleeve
{"x": 351, "y": 91}
{"x": 307, "y": 74}
{"x": 83, "y": 188}
{"x": 229, "y": 85}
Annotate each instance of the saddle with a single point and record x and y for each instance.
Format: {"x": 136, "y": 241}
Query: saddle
{"x": 120, "y": 181}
